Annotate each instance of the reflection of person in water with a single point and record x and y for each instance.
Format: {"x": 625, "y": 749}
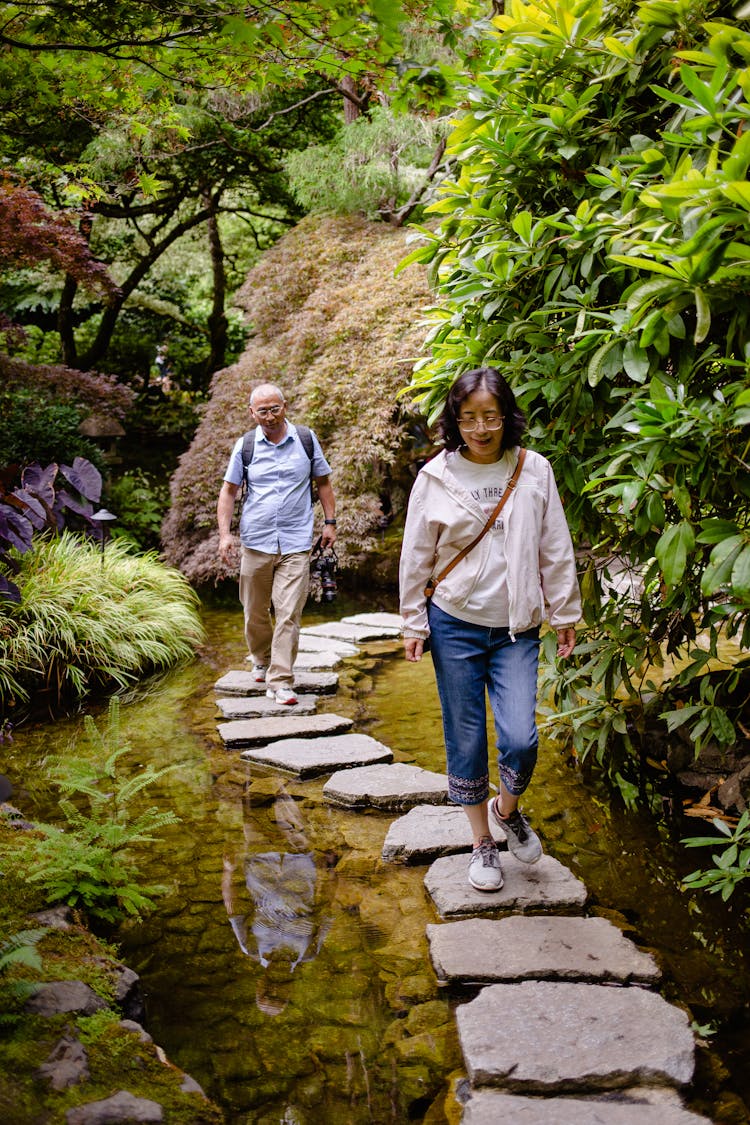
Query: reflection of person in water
{"x": 282, "y": 929}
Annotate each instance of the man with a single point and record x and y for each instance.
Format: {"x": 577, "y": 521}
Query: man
{"x": 276, "y": 529}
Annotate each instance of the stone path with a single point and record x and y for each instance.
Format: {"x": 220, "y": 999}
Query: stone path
{"x": 560, "y": 1024}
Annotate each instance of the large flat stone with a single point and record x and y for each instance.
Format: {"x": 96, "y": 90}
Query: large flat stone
{"x": 479, "y": 950}
{"x": 529, "y": 887}
{"x": 356, "y": 634}
{"x": 310, "y": 643}
{"x": 311, "y": 757}
{"x": 250, "y": 707}
{"x": 490, "y": 1107}
{"x": 382, "y": 620}
{"x": 257, "y": 732}
{"x": 242, "y": 683}
{"x": 326, "y": 658}
{"x": 397, "y": 786}
{"x": 429, "y": 831}
{"x": 546, "y": 1037}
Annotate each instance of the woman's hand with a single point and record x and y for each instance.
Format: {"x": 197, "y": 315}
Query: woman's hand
{"x": 566, "y": 640}
{"x": 413, "y": 648}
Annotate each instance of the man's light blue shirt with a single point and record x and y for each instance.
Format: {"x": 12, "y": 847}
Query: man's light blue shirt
{"x": 277, "y": 516}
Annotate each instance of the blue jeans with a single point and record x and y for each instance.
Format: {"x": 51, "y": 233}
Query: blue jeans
{"x": 467, "y": 659}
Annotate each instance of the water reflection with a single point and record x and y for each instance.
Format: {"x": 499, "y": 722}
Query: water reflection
{"x": 279, "y": 926}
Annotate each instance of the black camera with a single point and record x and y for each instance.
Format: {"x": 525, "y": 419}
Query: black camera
{"x": 324, "y": 565}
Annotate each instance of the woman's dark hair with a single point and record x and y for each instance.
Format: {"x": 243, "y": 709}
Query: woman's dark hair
{"x": 487, "y": 379}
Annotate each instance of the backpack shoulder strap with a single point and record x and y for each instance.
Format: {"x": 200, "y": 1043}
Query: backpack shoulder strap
{"x": 305, "y": 436}
{"x": 248, "y": 448}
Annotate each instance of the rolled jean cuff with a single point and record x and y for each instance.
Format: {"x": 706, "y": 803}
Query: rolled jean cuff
{"x": 468, "y": 790}
{"x": 515, "y": 781}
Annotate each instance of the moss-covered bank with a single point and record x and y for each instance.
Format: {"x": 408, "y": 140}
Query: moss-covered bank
{"x": 54, "y": 1061}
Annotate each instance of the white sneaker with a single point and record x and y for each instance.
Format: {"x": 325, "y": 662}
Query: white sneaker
{"x": 282, "y": 695}
{"x": 484, "y": 866}
{"x": 258, "y": 671}
{"x": 523, "y": 841}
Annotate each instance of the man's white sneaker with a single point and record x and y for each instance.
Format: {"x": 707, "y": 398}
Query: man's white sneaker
{"x": 523, "y": 841}
{"x": 282, "y": 695}
{"x": 484, "y": 866}
{"x": 259, "y": 673}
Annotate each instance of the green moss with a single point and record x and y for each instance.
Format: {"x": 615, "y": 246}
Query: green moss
{"x": 117, "y": 1057}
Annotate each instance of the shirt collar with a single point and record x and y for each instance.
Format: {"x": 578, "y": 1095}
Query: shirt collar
{"x": 291, "y": 430}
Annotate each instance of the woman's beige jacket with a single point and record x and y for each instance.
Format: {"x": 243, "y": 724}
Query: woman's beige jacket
{"x": 443, "y": 517}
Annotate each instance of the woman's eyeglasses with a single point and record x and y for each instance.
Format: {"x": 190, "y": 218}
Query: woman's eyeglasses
{"x": 490, "y": 422}
{"x": 265, "y": 411}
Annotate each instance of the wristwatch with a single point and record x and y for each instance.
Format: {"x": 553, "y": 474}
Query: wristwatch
{"x": 332, "y": 522}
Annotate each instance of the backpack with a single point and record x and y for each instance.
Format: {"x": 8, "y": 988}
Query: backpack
{"x": 248, "y": 449}
{"x": 248, "y": 446}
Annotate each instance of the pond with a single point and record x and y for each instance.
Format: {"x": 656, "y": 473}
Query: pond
{"x": 286, "y": 969}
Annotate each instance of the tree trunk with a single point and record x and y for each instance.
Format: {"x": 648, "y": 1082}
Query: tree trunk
{"x": 217, "y": 321}
{"x": 65, "y": 322}
{"x": 65, "y": 308}
{"x": 352, "y": 103}
{"x": 101, "y": 343}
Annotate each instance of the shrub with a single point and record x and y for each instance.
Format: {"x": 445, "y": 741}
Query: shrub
{"x": 92, "y": 618}
{"x": 140, "y": 506}
{"x": 47, "y": 500}
{"x": 594, "y": 248}
{"x": 35, "y": 428}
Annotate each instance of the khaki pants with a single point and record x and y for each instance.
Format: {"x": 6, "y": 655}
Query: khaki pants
{"x": 281, "y": 581}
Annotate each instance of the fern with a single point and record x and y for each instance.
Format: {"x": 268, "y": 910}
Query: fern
{"x": 19, "y": 949}
{"x": 91, "y": 865}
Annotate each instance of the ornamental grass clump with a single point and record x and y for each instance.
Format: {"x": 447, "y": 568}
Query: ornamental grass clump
{"x": 91, "y": 618}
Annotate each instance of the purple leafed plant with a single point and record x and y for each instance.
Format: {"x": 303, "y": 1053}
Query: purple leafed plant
{"x": 48, "y": 500}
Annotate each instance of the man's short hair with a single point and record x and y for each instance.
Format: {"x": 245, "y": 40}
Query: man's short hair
{"x": 269, "y": 388}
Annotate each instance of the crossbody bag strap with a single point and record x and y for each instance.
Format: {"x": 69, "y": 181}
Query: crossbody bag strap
{"x": 429, "y": 589}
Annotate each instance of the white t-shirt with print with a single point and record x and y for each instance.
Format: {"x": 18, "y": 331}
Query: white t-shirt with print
{"x": 488, "y": 602}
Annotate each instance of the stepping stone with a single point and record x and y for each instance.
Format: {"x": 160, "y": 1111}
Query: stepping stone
{"x": 397, "y": 786}
{"x": 257, "y": 732}
{"x": 308, "y": 643}
{"x": 479, "y": 951}
{"x": 488, "y": 1107}
{"x": 376, "y": 620}
{"x": 545, "y": 1037}
{"x": 529, "y": 887}
{"x": 311, "y": 757}
{"x": 429, "y": 831}
{"x": 326, "y": 658}
{"x": 242, "y": 683}
{"x": 244, "y": 707}
{"x": 355, "y": 633}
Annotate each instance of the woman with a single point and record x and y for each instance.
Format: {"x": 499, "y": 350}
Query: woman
{"x": 484, "y": 616}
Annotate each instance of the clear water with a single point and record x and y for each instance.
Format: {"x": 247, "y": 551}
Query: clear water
{"x": 286, "y": 969}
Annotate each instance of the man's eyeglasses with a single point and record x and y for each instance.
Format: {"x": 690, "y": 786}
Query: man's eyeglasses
{"x": 265, "y": 411}
{"x": 490, "y": 422}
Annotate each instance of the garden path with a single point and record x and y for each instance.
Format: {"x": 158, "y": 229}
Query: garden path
{"x": 561, "y": 1022}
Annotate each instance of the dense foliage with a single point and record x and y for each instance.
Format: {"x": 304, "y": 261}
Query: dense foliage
{"x": 146, "y": 134}
{"x": 47, "y": 500}
{"x": 89, "y": 618}
{"x": 594, "y": 247}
